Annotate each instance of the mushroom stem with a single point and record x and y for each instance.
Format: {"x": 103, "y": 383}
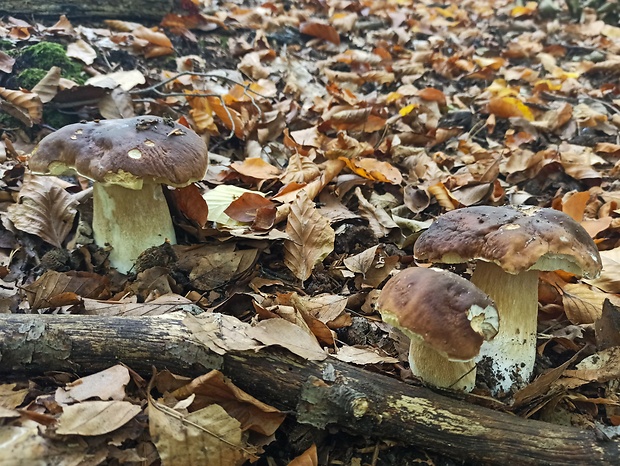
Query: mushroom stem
{"x": 130, "y": 221}
{"x": 511, "y": 354}
{"x": 434, "y": 368}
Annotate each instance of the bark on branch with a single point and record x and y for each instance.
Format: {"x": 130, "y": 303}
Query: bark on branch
{"x": 320, "y": 393}
{"x": 110, "y": 9}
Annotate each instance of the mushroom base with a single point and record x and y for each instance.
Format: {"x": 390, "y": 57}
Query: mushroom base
{"x": 130, "y": 221}
{"x": 509, "y": 358}
{"x": 435, "y": 369}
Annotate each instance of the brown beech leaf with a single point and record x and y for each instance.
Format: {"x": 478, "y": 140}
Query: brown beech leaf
{"x": 307, "y": 458}
{"x": 91, "y": 418}
{"x": 81, "y": 50}
{"x": 300, "y": 169}
{"x": 154, "y": 37}
{"x": 45, "y": 209}
{"x": 321, "y": 30}
{"x": 209, "y": 436}
{"x": 6, "y": 62}
{"x": 374, "y": 170}
{"x": 312, "y": 237}
{"x": 47, "y": 88}
{"x": 575, "y": 205}
{"x": 26, "y": 101}
{"x": 283, "y": 333}
{"x": 105, "y": 385}
{"x": 55, "y": 289}
{"x": 251, "y": 207}
{"x": 443, "y": 196}
{"x": 582, "y": 304}
{"x": 255, "y": 167}
{"x": 191, "y": 203}
{"x": 214, "y": 387}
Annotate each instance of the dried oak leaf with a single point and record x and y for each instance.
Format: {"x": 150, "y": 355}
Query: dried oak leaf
{"x": 44, "y": 209}
{"x": 312, "y": 237}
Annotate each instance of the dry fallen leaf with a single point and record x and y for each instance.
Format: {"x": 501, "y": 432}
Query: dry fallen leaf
{"x": 280, "y": 332}
{"x": 307, "y": 458}
{"x": 45, "y": 209}
{"x": 91, "y": 418}
{"x": 54, "y": 289}
{"x": 312, "y": 237}
{"x": 215, "y": 388}
{"x": 209, "y": 436}
{"x": 105, "y": 385}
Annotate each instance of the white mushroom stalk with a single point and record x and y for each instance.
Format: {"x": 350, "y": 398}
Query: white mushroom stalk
{"x": 512, "y": 353}
{"x": 132, "y": 220}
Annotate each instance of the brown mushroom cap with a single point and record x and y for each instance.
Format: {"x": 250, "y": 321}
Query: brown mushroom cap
{"x": 127, "y": 152}
{"x": 515, "y": 238}
{"x": 447, "y": 312}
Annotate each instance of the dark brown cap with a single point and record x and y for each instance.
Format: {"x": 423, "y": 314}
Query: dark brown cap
{"x": 449, "y": 313}
{"x": 515, "y": 238}
{"x": 127, "y": 152}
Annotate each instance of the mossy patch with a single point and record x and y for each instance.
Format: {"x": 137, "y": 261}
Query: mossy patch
{"x": 36, "y": 60}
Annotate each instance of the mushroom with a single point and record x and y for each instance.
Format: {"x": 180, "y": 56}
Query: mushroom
{"x": 510, "y": 245}
{"x": 128, "y": 160}
{"x": 447, "y": 319}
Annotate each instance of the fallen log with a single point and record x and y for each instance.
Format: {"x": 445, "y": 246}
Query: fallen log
{"x": 110, "y": 9}
{"x": 322, "y": 393}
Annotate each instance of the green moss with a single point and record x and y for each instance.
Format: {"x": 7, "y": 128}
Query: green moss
{"x": 56, "y": 119}
{"x": 7, "y": 121}
{"x": 42, "y": 56}
{"x": 7, "y": 46}
{"x": 30, "y": 77}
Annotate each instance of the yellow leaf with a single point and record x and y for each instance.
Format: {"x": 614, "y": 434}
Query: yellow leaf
{"x": 407, "y": 110}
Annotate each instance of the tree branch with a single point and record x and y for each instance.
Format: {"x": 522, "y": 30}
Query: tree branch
{"x": 320, "y": 393}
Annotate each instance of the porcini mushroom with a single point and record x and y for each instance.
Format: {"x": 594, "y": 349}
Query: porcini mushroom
{"x": 447, "y": 319}
{"x": 510, "y": 245}
{"x": 128, "y": 160}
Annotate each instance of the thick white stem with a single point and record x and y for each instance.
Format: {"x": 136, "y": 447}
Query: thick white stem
{"x": 511, "y": 354}
{"x": 130, "y": 221}
{"x": 434, "y": 369}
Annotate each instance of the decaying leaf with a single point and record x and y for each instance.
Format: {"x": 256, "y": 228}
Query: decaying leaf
{"x": 11, "y": 398}
{"x": 91, "y": 418}
{"x": 282, "y": 333}
{"x": 312, "y": 238}
{"x": 105, "y": 385}
{"x": 207, "y": 436}
{"x": 363, "y": 355}
{"x": 55, "y": 289}
{"x": 307, "y": 458}
{"x": 320, "y": 30}
{"x": 221, "y": 333}
{"x": 214, "y": 388}
{"x": 45, "y": 209}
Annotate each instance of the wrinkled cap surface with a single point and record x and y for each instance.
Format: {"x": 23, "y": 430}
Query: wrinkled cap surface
{"x": 449, "y": 313}
{"x": 127, "y": 152}
{"x": 515, "y": 238}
